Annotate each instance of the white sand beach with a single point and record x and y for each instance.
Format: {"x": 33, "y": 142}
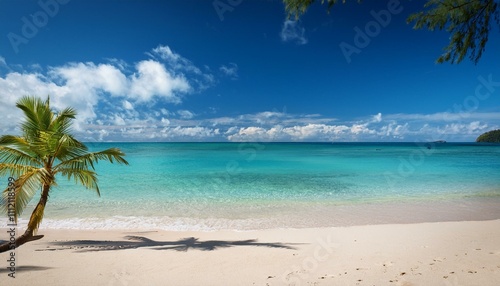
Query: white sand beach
{"x": 438, "y": 253}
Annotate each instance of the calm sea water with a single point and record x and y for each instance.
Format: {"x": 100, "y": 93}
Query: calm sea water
{"x": 190, "y": 186}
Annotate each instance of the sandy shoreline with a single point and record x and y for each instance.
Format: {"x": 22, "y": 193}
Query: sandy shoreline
{"x": 439, "y": 253}
{"x": 285, "y": 215}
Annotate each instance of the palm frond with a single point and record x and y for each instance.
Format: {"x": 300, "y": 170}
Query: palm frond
{"x": 38, "y": 115}
{"x": 68, "y": 147}
{"x": 19, "y": 144}
{"x": 15, "y": 170}
{"x": 86, "y": 161}
{"x": 86, "y": 178}
{"x": 25, "y": 187}
{"x": 14, "y": 156}
{"x": 62, "y": 122}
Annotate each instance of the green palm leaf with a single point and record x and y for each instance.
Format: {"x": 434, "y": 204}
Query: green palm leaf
{"x": 25, "y": 187}
{"x": 38, "y": 115}
{"x": 17, "y": 146}
{"x": 13, "y": 156}
{"x": 87, "y": 160}
{"x": 86, "y": 178}
{"x": 15, "y": 170}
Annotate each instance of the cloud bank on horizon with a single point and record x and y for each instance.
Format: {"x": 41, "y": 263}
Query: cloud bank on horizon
{"x": 143, "y": 101}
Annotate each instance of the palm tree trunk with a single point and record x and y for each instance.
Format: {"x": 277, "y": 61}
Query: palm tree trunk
{"x": 35, "y": 219}
{"x": 18, "y": 242}
{"x": 37, "y": 214}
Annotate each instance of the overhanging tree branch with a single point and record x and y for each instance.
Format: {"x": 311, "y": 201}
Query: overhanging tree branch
{"x": 468, "y": 22}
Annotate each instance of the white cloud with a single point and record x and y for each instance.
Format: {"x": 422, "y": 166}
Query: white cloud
{"x": 373, "y": 128}
{"x": 165, "y": 111}
{"x": 200, "y": 79}
{"x": 194, "y": 132}
{"x": 309, "y": 132}
{"x": 230, "y": 70}
{"x": 16, "y": 85}
{"x": 277, "y": 126}
{"x": 393, "y": 130}
{"x": 185, "y": 114}
{"x": 120, "y": 64}
{"x": 127, "y": 105}
{"x": 174, "y": 61}
{"x": 84, "y": 85}
{"x": 165, "y": 121}
{"x": 152, "y": 79}
{"x": 314, "y": 131}
{"x": 90, "y": 87}
{"x": 102, "y": 134}
{"x": 446, "y": 116}
{"x": 463, "y": 128}
{"x": 165, "y": 53}
{"x": 292, "y": 31}
{"x": 359, "y": 129}
{"x": 90, "y": 77}
{"x": 377, "y": 118}
{"x": 119, "y": 120}
{"x": 269, "y": 118}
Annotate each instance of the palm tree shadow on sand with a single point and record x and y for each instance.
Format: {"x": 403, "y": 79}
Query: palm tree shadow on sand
{"x": 24, "y": 268}
{"x": 185, "y": 244}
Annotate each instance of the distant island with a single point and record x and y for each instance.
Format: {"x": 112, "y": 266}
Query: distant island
{"x": 490, "y": 137}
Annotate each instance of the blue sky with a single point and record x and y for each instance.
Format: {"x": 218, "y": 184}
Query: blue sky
{"x": 238, "y": 70}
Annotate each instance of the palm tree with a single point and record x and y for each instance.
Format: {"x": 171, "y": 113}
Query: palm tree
{"x": 45, "y": 149}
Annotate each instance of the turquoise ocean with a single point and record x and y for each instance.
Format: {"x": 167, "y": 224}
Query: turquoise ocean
{"x": 242, "y": 186}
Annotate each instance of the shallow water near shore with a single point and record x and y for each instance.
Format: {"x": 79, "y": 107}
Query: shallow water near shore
{"x": 241, "y": 186}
